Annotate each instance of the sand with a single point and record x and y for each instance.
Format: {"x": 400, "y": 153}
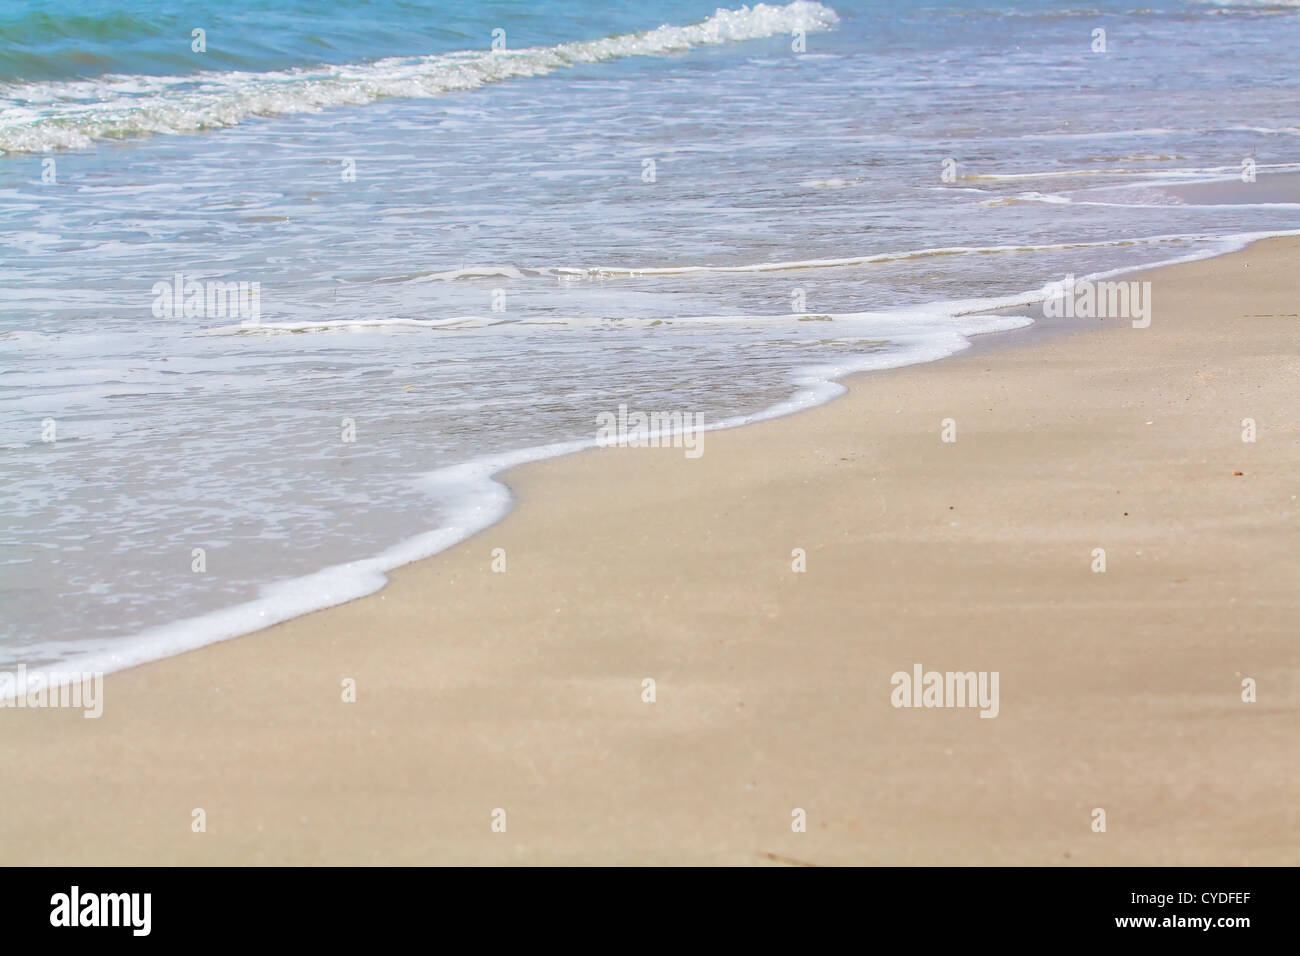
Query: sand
{"x": 522, "y": 691}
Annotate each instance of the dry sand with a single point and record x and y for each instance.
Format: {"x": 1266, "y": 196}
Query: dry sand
{"x": 522, "y": 690}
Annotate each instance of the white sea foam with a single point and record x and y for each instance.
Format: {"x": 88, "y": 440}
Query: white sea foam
{"x": 1257, "y": 4}
{"x": 74, "y": 114}
{"x": 609, "y": 272}
{"x": 1166, "y": 174}
{"x": 577, "y": 273}
{"x": 1054, "y": 199}
{"x": 1161, "y": 190}
{"x": 351, "y": 325}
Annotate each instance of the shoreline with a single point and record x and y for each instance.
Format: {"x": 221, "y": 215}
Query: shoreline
{"x": 547, "y": 717}
{"x": 365, "y": 576}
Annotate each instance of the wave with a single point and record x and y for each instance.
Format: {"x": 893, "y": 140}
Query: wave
{"x": 605, "y": 272}
{"x": 75, "y": 114}
{"x": 950, "y": 308}
{"x": 579, "y": 273}
{"x": 1265, "y": 5}
{"x": 455, "y": 322}
{"x": 1152, "y": 173}
{"x": 1054, "y": 199}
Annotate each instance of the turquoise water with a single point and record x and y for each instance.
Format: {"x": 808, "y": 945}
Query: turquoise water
{"x": 463, "y": 252}
{"x": 40, "y": 40}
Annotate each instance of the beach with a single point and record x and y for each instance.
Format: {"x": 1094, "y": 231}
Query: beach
{"x": 522, "y": 690}
{"x": 273, "y": 316}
